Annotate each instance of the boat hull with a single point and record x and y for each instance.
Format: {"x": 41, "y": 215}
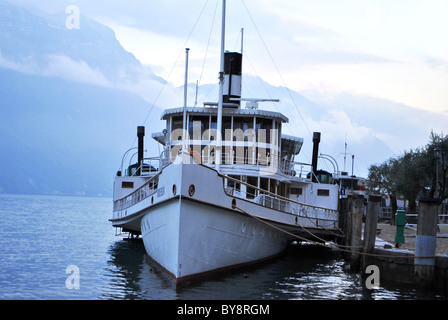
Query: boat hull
{"x": 193, "y": 226}
{"x": 190, "y": 239}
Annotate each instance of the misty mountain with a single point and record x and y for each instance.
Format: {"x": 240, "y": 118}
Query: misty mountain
{"x": 70, "y": 102}
{"x": 60, "y": 137}
{"x": 63, "y": 131}
{"x": 35, "y": 39}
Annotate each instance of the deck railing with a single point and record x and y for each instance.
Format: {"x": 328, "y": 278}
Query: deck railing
{"x": 280, "y": 203}
{"x": 145, "y": 191}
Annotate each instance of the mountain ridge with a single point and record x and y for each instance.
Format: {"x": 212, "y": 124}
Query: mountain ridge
{"x": 72, "y": 99}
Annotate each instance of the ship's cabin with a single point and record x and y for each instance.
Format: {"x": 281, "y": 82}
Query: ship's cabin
{"x": 256, "y": 158}
{"x": 253, "y": 149}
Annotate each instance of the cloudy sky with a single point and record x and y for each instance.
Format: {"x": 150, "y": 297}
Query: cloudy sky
{"x": 396, "y": 50}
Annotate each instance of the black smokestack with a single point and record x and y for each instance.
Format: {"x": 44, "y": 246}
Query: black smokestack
{"x": 140, "y": 135}
{"x": 316, "y": 140}
{"x": 232, "y": 77}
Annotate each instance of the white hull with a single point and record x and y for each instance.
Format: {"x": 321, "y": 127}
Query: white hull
{"x": 193, "y": 234}
{"x": 190, "y": 239}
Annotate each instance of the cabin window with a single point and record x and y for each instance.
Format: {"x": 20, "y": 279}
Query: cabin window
{"x": 282, "y": 189}
{"x": 177, "y": 123}
{"x": 213, "y": 128}
{"x": 263, "y": 130}
{"x": 243, "y": 123}
{"x": 272, "y": 184}
{"x": 197, "y": 126}
{"x": 323, "y": 192}
{"x": 234, "y": 184}
{"x": 127, "y": 184}
{"x": 176, "y": 128}
{"x": 297, "y": 191}
{"x": 251, "y": 192}
{"x": 264, "y": 184}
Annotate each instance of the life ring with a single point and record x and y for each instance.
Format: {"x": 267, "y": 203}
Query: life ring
{"x": 196, "y": 157}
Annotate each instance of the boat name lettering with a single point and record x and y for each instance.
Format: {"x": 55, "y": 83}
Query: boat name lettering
{"x": 160, "y": 192}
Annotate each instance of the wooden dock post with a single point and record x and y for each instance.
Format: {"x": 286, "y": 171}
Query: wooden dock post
{"x": 373, "y": 208}
{"x": 355, "y": 211}
{"x": 342, "y": 221}
{"x": 426, "y": 240}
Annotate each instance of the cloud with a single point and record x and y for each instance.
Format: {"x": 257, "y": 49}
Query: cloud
{"x": 79, "y": 71}
{"x": 27, "y": 65}
{"x": 57, "y": 66}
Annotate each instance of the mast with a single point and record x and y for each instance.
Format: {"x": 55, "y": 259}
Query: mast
{"x": 221, "y": 90}
{"x": 185, "y": 102}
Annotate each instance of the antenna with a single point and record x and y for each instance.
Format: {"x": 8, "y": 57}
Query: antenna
{"x": 345, "y": 151}
{"x": 197, "y": 89}
{"x": 242, "y": 39}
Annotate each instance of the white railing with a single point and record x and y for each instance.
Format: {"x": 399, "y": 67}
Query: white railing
{"x": 145, "y": 191}
{"x": 280, "y": 203}
{"x": 291, "y": 168}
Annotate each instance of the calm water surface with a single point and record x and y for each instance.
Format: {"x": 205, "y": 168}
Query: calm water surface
{"x": 42, "y": 235}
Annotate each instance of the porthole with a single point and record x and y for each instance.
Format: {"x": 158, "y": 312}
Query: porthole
{"x": 174, "y": 190}
{"x": 191, "y": 190}
{"x": 233, "y": 204}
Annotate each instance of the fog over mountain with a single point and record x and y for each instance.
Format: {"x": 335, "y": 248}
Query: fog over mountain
{"x": 71, "y": 101}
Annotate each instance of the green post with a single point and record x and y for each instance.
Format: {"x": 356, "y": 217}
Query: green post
{"x": 400, "y": 222}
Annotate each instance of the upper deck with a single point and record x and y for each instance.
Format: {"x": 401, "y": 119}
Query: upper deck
{"x": 251, "y": 139}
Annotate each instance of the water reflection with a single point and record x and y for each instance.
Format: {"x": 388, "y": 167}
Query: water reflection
{"x": 129, "y": 277}
{"x": 304, "y": 272}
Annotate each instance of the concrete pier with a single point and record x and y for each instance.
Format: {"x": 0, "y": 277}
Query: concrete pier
{"x": 419, "y": 268}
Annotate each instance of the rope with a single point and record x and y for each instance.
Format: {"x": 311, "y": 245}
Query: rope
{"x": 278, "y": 71}
{"x": 172, "y": 69}
{"x": 329, "y": 246}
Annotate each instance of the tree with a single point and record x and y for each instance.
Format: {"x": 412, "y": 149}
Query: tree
{"x": 381, "y": 180}
{"x": 439, "y": 166}
{"x": 409, "y": 176}
{"x": 418, "y": 172}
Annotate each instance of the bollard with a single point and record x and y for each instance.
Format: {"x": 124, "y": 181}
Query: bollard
{"x": 426, "y": 240}
{"x": 400, "y": 222}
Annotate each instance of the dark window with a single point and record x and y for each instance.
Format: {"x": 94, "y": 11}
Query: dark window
{"x": 177, "y": 123}
{"x": 127, "y": 184}
{"x": 323, "y": 192}
{"x": 251, "y": 192}
{"x": 264, "y": 184}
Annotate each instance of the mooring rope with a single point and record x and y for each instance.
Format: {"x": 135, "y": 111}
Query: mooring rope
{"x": 335, "y": 246}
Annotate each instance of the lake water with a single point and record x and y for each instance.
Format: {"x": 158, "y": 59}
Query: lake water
{"x": 43, "y": 235}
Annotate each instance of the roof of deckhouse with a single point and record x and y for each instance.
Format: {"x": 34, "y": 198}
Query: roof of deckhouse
{"x": 226, "y": 112}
